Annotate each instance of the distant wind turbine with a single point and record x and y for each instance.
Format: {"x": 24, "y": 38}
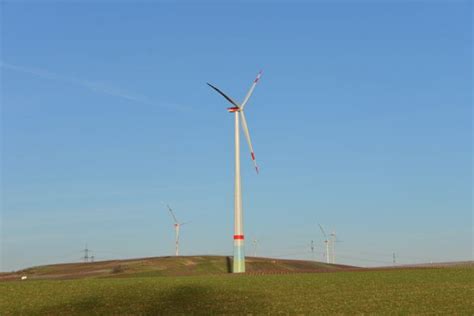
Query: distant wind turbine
{"x": 177, "y": 225}
{"x": 326, "y": 242}
{"x": 255, "y": 246}
{"x": 333, "y": 240}
{"x": 238, "y": 264}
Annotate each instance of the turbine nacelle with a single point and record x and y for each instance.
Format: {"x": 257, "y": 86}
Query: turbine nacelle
{"x": 233, "y": 109}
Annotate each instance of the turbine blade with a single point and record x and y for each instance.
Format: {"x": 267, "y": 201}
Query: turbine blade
{"x": 172, "y": 214}
{"x": 322, "y": 230}
{"x": 247, "y": 135}
{"x": 247, "y": 97}
{"x": 224, "y": 95}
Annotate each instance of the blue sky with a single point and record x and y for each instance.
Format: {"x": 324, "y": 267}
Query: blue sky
{"x": 361, "y": 122}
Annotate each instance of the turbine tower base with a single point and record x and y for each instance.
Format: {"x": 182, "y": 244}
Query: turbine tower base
{"x": 238, "y": 264}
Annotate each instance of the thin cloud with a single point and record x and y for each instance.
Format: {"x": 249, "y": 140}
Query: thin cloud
{"x": 90, "y": 85}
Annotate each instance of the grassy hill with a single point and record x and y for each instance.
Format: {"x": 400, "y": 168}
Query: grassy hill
{"x": 441, "y": 291}
{"x": 168, "y": 266}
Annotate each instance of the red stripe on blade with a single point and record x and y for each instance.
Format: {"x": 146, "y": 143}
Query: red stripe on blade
{"x": 239, "y": 237}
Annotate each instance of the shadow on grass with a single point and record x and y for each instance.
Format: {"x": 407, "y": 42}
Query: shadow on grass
{"x": 187, "y": 299}
{"x": 229, "y": 264}
{"x": 201, "y": 300}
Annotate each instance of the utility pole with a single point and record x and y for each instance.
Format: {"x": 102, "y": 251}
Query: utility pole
{"x": 86, "y": 254}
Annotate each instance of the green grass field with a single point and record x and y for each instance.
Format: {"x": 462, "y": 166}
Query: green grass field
{"x": 405, "y": 291}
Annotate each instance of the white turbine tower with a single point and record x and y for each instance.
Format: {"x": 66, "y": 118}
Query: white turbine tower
{"x": 326, "y": 242}
{"x": 177, "y": 225}
{"x": 333, "y": 240}
{"x": 238, "y": 265}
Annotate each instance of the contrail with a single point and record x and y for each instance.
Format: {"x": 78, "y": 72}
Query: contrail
{"x": 91, "y": 85}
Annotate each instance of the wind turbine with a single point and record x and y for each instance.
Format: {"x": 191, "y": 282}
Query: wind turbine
{"x": 238, "y": 265}
{"x": 255, "y": 246}
{"x": 333, "y": 240}
{"x": 177, "y": 226}
{"x": 326, "y": 241}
